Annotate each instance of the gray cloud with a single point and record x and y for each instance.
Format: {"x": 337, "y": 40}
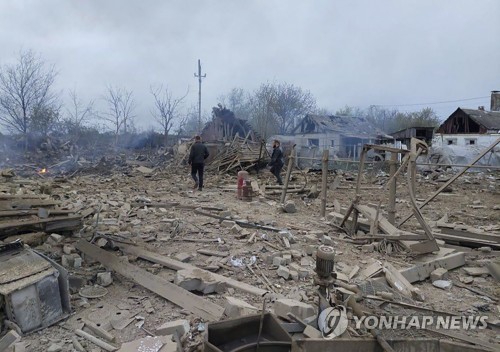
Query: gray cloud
{"x": 345, "y": 52}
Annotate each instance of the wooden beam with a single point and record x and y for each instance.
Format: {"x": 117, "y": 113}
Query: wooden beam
{"x": 177, "y": 265}
{"x": 288, "y": 172}
{"x": 324, "y": 181}
{"x": 175, "y": 294}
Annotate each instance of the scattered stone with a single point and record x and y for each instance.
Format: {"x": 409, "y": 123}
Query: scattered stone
{"x": 236, "y": 308}
{"x": 225, "y": 214}
{"x": 283, "y": 272}
{"x": 104, "y": 279}
{"x": 310, "y": 250}
{"x": 294, "y": 275}
{"x": 301, "y": 271}
{"x": 198, "y": 280}
{"x": 443, "y": 284}
{"x": 439, "y": 274}
{"x": 183, "y": 257}
{"x": 170, "y": 327}
{"x": 71, "y": 260}
{"x": 287, "y": 258}
{"x": 310, "y": 238}
{"x": 477, "y": 271}
{"x": 301, "y": 310}
{"x": 150, "y": 344}
{"x": 55, "y": 239}
{"x": 466, "y": 279}
{"x": 236, "y": 229}
{"x": 368, "y": 248}
{"x": 327, "y": 240}
{"x": 228, "y": 223}
{"x": 484, "y": 249}
{"x": 279, "y": 261}
{"x": 68, "y": 249}
{"x": 312, "y": 333}
{"x": 54, "y": 348}
{"x": 289, "y": 207}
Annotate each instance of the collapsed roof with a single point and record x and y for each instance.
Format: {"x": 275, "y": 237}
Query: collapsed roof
{"x": 348, "y": 126}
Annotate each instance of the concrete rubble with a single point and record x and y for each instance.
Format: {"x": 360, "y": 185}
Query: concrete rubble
{"x": 193, "y": 258}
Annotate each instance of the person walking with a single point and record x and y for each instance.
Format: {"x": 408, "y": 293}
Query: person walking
{"x": 197, "y": 156}
{"x": 277, "y": 161}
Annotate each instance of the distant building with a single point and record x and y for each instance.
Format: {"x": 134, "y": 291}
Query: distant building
{"x": 466, "y": 132}
{"x": 423, "y": 133}
{"x": 466, "y": 127}
{"x": 343, "y": 136}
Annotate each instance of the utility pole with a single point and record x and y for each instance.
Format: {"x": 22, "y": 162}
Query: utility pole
{"x": 199, "y": 76}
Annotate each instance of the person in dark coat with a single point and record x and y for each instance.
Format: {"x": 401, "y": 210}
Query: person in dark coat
{"x": 197, "y": 156}
{"x": 277, "y": 161}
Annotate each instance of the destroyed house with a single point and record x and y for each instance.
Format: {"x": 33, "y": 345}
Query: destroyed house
{"x": 468, "y": 127}
{"x": 343, "y": 136}
{"x": 423, "y": 133}
{"x": 225, "y": 126}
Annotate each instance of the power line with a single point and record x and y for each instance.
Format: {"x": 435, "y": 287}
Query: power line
{"x": 436, "y": 102}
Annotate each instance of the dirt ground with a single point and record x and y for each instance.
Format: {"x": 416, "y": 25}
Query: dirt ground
{"x": 473, "y": 200}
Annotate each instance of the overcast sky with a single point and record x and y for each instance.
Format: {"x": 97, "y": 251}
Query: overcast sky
{"x": 384, "y": 52}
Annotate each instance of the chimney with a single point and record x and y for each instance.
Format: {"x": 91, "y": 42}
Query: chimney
{"x": 495, "y": 100}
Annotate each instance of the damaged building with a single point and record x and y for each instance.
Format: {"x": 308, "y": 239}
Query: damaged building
{"x": 465, "y": 132}
{"x": 342, "y": 136}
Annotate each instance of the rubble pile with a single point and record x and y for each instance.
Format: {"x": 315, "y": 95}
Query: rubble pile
{"x": 153, "y": 265}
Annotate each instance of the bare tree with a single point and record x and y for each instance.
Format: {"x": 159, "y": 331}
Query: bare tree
{"x": 25, "y": 87}
{"x": 262, "y": 114}
{"x": 279, "y": 104}
{"x": 120, "y": 109}
{"x": 291, "y": 103}
{"x": 166, "y": 108}
{"x": 78, "y": 113}
{"x": 238, "y": 101}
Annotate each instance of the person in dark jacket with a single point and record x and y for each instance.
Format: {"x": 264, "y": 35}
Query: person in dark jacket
{"x": 277, "y": 161}
{"x": 197, "y": 156}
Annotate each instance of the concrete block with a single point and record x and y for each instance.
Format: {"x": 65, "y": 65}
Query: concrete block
{"x": 104, "y": 279}
{"x": 236, "y": 308}
{"x": 236, "y": 229}
{"x": 368, "y": 248}
{"x": 327, "y": 240}
{"x": 310, "y": 249}
{"x": 287, "y": 258}
{"x": 278, "y": 261}
{"x": 283, "y": 272}
{"x": 170, "y": 327}
{"x": 68, "y": 249}
{"x": 294, "y": 275}
{"x": 198, "y": 280}
{"x": 302, "y": 272}
{"x": 183, "y": 257}
{"x": 289, "y": 207}
{"x": 310, "y": 239}
{"x": 301, "y": 310}
{"x": 439, "y": 274}
{"x": 312, "y": 333}
{"x": 227, "y": 223}
{"x": 54, "y": 348}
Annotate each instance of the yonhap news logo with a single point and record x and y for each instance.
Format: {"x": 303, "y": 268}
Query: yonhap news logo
{"x": 455, "y": 322}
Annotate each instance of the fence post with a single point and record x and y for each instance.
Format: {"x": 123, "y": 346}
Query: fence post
{"x": 324, "y": 174}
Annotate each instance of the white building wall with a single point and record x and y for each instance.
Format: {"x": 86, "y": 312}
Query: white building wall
{"x": 463, "y": 140}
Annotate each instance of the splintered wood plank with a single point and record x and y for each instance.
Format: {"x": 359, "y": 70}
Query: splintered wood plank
{"x": 20, "y": 204}
{"x": 178, "y": 265}
{"x": 175, "y": 294}
{"x": 60, "y": 223}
